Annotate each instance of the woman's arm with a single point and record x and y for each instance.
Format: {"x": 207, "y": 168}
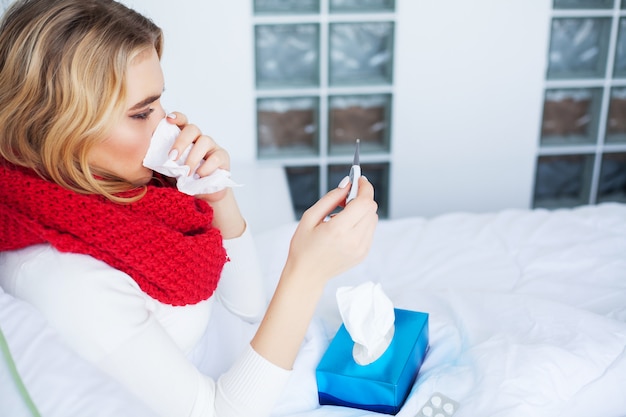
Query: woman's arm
{"x": 319, "y": 251}
{"x": 226, "y": 214}
{"x": 241, "y": 288}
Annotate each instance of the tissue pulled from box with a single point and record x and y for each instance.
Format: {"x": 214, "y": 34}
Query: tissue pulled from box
{"x": 157, "y": 159}
{"x": 369, "y": 317}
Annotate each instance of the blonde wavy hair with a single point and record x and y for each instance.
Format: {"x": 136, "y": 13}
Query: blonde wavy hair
{"x": 63, "y": 66}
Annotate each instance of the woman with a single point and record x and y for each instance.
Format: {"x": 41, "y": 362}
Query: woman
{"x": 124, "y": 266}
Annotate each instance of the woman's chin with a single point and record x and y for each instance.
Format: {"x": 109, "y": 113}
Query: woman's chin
{"x": 144, "y": 179}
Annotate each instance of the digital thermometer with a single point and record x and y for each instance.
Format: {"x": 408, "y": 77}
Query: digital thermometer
{"x": 355, "y": 174}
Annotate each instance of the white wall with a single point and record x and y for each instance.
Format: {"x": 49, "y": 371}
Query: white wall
{"x": 467, "y": 93}
{"x": 469, "y": 86}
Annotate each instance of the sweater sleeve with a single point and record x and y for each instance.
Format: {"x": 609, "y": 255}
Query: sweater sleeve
{"x": 104, "y": 316}
{"x": 241, "y": 289}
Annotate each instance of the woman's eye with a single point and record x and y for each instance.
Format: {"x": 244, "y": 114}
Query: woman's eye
{"x": 143, "y": 115}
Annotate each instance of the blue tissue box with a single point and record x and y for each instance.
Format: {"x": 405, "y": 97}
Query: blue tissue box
{"x": 383, "y": 385}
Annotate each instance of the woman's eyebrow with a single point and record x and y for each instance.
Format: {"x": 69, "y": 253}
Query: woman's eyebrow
{"x": 145, "y": 102}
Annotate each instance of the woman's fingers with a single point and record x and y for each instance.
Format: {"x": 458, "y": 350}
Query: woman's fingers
{"x": 361, "y": 208}
{"x": 316, "y": 214}
{"x": 351, "y": 214}
{"x": 205, "y": 155}
{"x": 176, "y": 118}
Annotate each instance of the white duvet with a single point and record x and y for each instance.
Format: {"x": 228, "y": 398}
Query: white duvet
{"x": 527, "y": 310}
{"x": 527, "y": 318}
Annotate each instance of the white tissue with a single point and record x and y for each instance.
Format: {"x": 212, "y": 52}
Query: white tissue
{"x": 369, "y": 318}
{"x": 157, "y": 159}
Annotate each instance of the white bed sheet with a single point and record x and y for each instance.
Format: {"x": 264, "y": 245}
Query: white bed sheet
{"x": 527, "y": 310}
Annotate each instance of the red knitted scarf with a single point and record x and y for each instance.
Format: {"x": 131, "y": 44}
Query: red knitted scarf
{"x": 164, "y": 241}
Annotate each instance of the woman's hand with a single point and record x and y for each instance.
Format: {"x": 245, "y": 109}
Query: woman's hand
{"x": 204, "y": 150}
{"x": 325, "y": 249}
{"x": 226, "y": 214}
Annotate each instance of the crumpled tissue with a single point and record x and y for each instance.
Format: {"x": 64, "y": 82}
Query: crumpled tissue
{"x": 368, "y": 315}
{"x": 157, "y": 159}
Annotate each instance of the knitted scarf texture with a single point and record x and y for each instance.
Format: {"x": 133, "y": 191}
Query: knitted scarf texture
{"x": 164, "y": 241}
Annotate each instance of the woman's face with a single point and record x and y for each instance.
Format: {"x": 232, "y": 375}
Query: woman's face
{"x": 123, "y": 151}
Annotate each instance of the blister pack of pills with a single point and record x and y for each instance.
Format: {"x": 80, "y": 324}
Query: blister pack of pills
{"x": 438, "y": 406}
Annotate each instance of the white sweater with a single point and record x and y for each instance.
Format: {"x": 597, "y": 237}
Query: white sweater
{"x": 147, "y": 345}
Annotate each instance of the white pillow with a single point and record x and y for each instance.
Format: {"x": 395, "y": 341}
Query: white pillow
{"x": 59, "y": 381}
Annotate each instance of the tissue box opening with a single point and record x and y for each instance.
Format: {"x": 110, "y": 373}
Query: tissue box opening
{"x": 383, "y": 385}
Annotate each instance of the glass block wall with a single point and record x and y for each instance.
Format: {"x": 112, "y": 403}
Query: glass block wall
{"x": 324, "y": 78}
{"x": 582, "y": 154}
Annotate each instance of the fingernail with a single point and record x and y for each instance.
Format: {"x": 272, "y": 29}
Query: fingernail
{"x": 365, "y": 178}
{"x": 171, "y": 115}
{"x": 344, "y": 182}
{"x": 173, "y": 154}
